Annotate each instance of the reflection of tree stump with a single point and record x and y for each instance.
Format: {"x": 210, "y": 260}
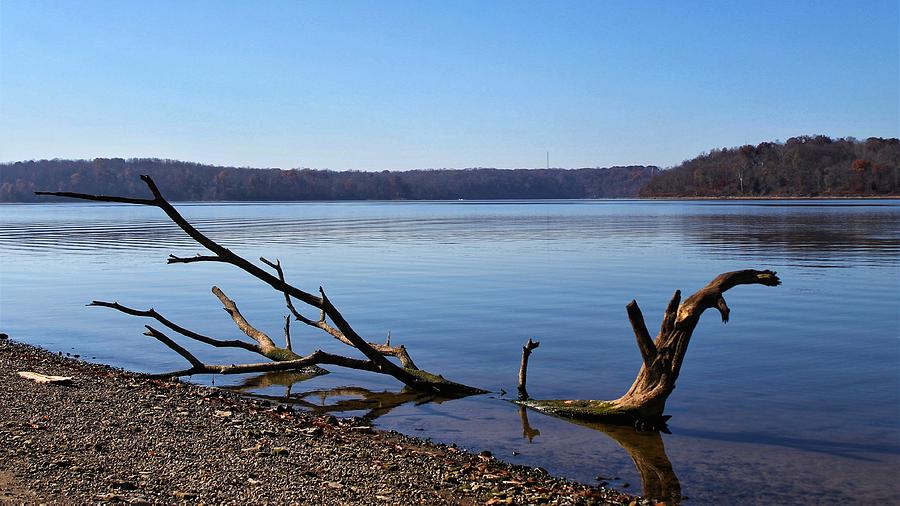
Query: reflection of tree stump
{"x": 648, "y": 453}
{"x": 645, "y": 401}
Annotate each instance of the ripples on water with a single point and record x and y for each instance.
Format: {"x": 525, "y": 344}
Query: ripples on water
{"x": 794, "y": 401}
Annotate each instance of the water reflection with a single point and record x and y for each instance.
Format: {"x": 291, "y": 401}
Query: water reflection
{"x": 344, "y": 399}
{"x": 647, "y": 452}
{"x": 812, "y": 238}
{"x": 847, "y": 450}
{"x": 528, "y": 432}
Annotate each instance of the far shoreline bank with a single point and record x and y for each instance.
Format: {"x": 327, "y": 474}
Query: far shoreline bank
{"x": 489, "y": 201}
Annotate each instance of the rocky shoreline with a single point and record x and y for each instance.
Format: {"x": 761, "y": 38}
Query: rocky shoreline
{"x": 112, "y": 436}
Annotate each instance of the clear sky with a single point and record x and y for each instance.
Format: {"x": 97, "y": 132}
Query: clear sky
{"x": 377, "y": 85}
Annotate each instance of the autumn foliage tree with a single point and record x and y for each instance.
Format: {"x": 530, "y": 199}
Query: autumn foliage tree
{"x": 805, "y": 166}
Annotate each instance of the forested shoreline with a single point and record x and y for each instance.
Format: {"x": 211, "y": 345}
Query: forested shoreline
{"x": 805, "y": 166}
{"x": 185, "y": 181}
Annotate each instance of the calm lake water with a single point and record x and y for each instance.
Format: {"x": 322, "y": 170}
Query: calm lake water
{"x": 795, "y": 401}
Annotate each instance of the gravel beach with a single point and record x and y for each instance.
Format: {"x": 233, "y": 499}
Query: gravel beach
{"x": 118, "y": 437}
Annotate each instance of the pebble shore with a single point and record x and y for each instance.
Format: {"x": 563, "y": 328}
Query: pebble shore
{"x": 112, "y": 436}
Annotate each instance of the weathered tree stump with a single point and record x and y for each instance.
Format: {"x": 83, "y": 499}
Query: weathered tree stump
{"x": 645, "y": 402}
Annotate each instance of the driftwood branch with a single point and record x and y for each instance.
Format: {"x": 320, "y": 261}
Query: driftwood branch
{"x": 644, "y": 403}
{"x": 151, "y": 313}
{"x": 670, "y": 314}
{"x": 285, "y": 358}
{"x": 197, "y": 258}
{"x": 265, "y": 343}
{"x": 313, "y": 359}
{"x": 287, "y": 297}
{"x": 287, "y": 333}
{"x": 223, "y": 253}
{"x": 523, "y": 367}
{"x": 385, "y": 349}
{"x": 173, "y": 345}
{"x": 644, "y": 341}
{"x": 101, "y": 198}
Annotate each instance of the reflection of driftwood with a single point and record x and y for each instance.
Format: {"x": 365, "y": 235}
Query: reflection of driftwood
{"x": 647, "y": 452}
{"x": 645, "y": 401}
{"x": 375, "y": 404}
{"x": 285, "y": 358}
{"x": 528, "y": 432}
{"x": 273, "y": 379}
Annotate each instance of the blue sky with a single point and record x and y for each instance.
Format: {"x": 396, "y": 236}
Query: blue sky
{"x": 378, "y": 85}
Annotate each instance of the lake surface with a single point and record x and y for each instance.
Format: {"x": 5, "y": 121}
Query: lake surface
{"x": 795, "y": 401}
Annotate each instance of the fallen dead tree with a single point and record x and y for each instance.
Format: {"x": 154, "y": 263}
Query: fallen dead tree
{"x": 643, "y": 404}
{"x": 329, "y": 319}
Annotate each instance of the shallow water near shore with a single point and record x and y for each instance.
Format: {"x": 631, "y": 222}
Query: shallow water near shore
{"x": 795, "y": 400}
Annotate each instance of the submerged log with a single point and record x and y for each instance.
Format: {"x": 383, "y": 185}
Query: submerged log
{"x": 645, "y": 402}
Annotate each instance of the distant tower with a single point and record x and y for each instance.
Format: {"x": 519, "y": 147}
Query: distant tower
{"x": 548, "y": 160}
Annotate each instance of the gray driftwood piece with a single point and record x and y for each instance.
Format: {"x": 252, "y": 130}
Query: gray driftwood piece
{"x": 44, "y": 378}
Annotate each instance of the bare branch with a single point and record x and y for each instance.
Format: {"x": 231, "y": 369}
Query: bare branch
{"x": 285, "y": 358}
{"x": 384, "y": 364}
{"x": 385, "y": 349}
{"x": 198, "y": 258}
{"x": 723, "y": 308}
{"x": 174, "y": 346}
{"x": 101, "y": 198}
{"x": 523, "y": 367}
{"x": 708, "y": 296}
{"x": 231, "y": 308}
{"x": 644, "y": 342}
{"x": 419, "y": 381}
{"x": 317, "y": 357}
{"x": 287, "y": 332}
{"x": 220, "y": 251}
{"x": 287, "y": 298}
{"x": 223, "y": 252}
{"x": 670, "y": 314}
{"x": 151, "y": 313}
{"x": 729, "y": 280}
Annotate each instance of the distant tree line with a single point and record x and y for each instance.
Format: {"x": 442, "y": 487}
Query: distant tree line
{"x": 184, "y": 181}
{"x": 805, "y": 166}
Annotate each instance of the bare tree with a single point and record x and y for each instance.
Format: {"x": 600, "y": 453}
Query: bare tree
{"x": 645, "y": 401}
{"x": 280, "y": 358}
